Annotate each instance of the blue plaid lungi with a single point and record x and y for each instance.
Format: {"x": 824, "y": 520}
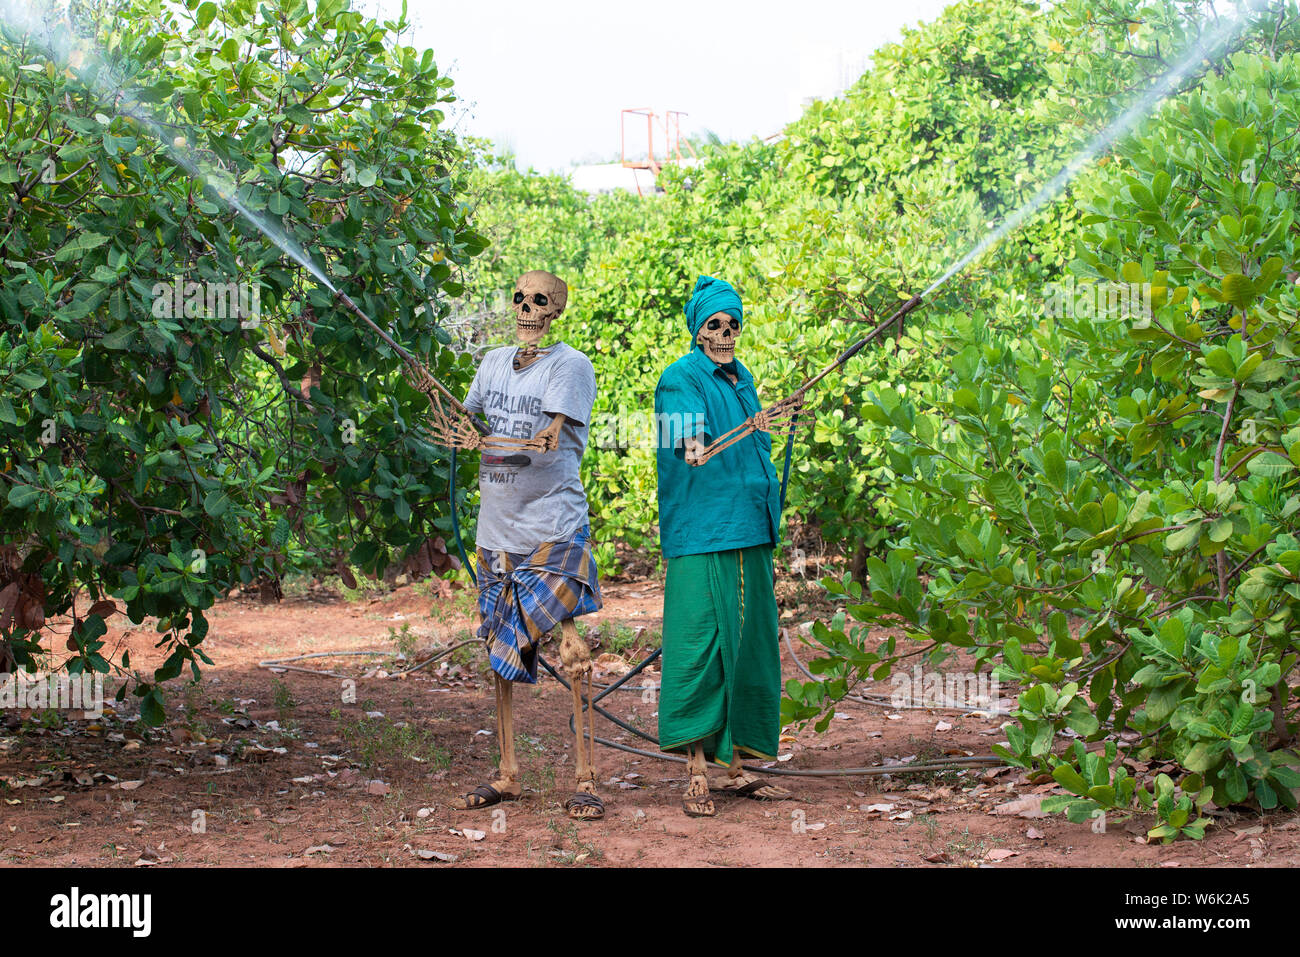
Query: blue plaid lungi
{"x": 522, "y": 597}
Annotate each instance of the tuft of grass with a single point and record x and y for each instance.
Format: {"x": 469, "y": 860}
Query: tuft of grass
{"x": 579, "y": 852}
{"x": 195, "y": 702}
{"x": 621, "y": 638}
{"x": 378, "y": 741}
{"x": 282, "y": 699}
{"x": 966, "y": 847}
{"x": 404, "y": 639}
{"x": 926, "y": 752}
{"x": 469, "y": 656}
{"x": 462, "y": 604}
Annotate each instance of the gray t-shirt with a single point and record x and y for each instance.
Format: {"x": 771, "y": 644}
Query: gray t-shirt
{"x": 525, "y": 497}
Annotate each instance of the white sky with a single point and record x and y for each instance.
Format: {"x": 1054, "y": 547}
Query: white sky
{"x": 549, "y": 79}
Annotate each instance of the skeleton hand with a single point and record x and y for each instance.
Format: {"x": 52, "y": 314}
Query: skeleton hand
{"x": 466, "y": 438}
{"x": 778, "y": 414}
{"x": 548, "y": 440}
{"x": 694, "y": 449}
{"x": 462, "y": 436}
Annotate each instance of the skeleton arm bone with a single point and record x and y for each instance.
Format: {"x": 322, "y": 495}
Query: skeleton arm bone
{"x": 548, "y": 439}
{"x": 770, "y": 419}
{"x": 464, "y": 438}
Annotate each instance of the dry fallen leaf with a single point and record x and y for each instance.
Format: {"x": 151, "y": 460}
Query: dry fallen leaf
{"x": 1001, "y": 854}
{"x": 1029, "y": 806}
{"x": 425, "y": 855}
{"x": 1034, "y": 834}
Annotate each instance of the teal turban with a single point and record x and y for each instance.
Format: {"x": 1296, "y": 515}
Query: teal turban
{"x": 710, "y": 296}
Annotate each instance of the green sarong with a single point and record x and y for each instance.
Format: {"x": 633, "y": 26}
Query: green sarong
{"x": 722, "y": 661}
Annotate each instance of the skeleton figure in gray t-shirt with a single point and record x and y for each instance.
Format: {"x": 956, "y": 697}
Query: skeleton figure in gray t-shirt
{"x": 535, "y": 568}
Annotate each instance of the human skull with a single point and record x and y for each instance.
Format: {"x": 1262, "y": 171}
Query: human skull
{"x": 718, "y": 336}
{"x": 539, "y": 298}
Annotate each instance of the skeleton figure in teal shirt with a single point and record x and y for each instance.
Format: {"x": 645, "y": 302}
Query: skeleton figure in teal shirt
{"x": 719, "y": 519}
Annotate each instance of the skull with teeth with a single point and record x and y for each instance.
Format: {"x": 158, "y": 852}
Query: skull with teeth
{"x": 539, "y": 298}
{"x": 718, "y": 336}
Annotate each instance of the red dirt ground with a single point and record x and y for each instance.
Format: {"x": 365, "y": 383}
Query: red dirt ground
{"x": 265, "y": 769}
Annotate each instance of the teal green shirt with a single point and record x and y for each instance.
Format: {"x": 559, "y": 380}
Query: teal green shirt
{"x": 732, "y": 500}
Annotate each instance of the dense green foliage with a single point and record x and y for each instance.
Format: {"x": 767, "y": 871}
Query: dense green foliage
{"x": 161, "y": 457}
{"x": 1101, "y": 508}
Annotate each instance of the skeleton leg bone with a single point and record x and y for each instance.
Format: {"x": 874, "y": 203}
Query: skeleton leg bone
{"x": 506, "y": 786}
{"x": 585, "y": 805}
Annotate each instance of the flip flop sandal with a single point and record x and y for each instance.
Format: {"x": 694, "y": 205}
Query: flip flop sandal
{"x": 487, "y": 795}
{"x": 583, "y": 799}
{"x": 751, "y": 790}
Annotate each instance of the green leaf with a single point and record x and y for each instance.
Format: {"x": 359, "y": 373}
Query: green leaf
{"x": 1179, "y": 540}
{"x": 206, "y": 14}
{"x": 1005, "y": 492}
{"x": 1054, "y": 466}
{"x": 23, "y": 496}
{"x": 1204, "y": 756}
{"x": 1269, "y": 465}
{"x": 1070, "y": 779}
{"x": 80, "y": 244}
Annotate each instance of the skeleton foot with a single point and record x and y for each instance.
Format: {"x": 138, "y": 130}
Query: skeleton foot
{"x": 486, "y": 795}
{"x": 585, "y": 804}
{"x": 696, "y": 802}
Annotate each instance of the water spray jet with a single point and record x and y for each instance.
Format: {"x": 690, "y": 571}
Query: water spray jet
{"x": 38, "y": 22}
{"x": 1208, "y": 46}
{"x": 411, "y": 361}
